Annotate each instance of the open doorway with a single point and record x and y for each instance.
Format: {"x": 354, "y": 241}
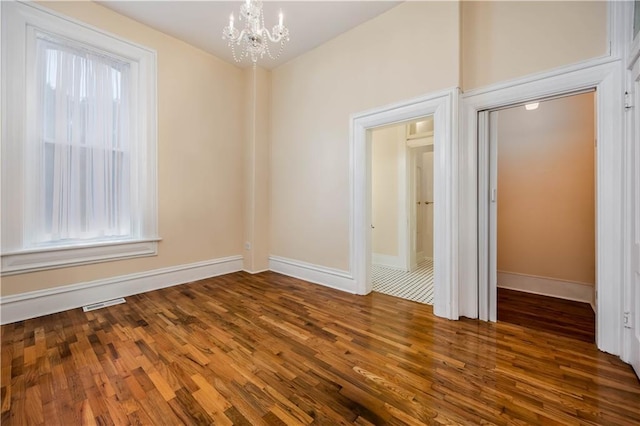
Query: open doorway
{"x": 443, "y": 107}
{"x": 542, "y": 214}
{"x": 402, "y": 210}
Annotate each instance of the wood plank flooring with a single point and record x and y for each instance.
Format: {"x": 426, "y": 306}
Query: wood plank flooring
{"x": 558, "y": 316}
{"x": 269, "y": 349}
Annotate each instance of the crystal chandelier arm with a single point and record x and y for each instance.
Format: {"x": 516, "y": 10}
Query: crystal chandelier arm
{"x": 232, "y": 35}
{"x": 278, "y": 34}
{"x": 240, "y": 36}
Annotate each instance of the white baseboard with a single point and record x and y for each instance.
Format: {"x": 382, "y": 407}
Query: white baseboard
{"x": 259, "y": 271}
{"x": 544, "y": 286}
{"x": 388, "y": 261}
{"x": 43, "y": 302}
{"x": 328, "y": 277}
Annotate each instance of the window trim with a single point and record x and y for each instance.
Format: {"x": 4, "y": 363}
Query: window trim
{"x": 33, "y": 260}
{"x": 19, "y": 22}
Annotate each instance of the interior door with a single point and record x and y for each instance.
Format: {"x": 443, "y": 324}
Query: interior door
{"x": 488, "y": 215}
{"x": 633, "y": 319}
{"x": 427, "y": 190}
{"x": 419, "y": 210}
{"x": 493, "y": 216}
{"x": 484, "y": 167}
{"x": 417, "y": 206}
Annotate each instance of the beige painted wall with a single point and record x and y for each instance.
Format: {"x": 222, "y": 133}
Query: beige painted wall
{"x": 504, "y": 39}
{"x": 385, "y": 190}
{"x": 546, "y": 193}
{"x": 199, "y": 156}
{"x": 313, "y": 95}
{"x": 257, "y": 150}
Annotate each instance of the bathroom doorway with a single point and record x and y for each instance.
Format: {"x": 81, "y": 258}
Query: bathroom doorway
{"x": 403, "y": 210}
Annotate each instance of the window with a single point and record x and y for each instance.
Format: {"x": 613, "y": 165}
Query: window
{"x": 78, "y": 143}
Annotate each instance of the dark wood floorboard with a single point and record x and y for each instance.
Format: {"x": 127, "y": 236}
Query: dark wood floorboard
{"x": 564, "y": 317}
{"x": 269, "y": 349}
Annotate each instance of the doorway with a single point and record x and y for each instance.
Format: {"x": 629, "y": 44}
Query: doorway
{"x": 542, "y": 215}
{"x": 402, "y": 202}
{"x": 443, "y": 106}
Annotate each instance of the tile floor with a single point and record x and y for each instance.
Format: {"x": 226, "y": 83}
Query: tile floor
{"x": 416, "y": 285}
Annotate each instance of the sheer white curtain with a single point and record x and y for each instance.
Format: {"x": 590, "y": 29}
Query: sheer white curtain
{"x": 83, "y": 127}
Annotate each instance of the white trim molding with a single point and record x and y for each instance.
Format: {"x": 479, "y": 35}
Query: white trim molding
{"x": 61, "y": 257}
{"x": 631, "y": 292}
{"x": 328, "y": 277}
{"x": 545, "y": 286}
{"x": 443, "y": 106}
{"x": 620, "y": 27}
{"x": 44, "y": 302}
{"x": 603, "y": 75}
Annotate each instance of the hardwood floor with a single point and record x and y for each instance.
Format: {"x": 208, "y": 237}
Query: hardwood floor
{"x": 268, "y": 349}
{"x": 564, "y": 317}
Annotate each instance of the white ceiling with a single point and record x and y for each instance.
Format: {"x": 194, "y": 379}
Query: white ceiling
{"x": 200, "y": 23}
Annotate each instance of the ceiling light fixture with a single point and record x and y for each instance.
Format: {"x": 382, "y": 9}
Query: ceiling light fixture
{"x": 253, "y": 40}
{"x": 531, "y": 107}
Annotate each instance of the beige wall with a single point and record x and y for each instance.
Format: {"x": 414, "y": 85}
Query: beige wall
{"x": 546, "y": 193}
{"x": 257, "y": 150}
{"x": 199, "y": 156}
{"x": 504, "y": 40}
{"x": 385, "y": 190}
{"x": 412, "y": 49}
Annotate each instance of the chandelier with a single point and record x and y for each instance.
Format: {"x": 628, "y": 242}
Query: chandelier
{"x": 253, "y": 41}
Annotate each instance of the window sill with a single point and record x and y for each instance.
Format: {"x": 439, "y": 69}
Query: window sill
{"x": 33, "y": 260}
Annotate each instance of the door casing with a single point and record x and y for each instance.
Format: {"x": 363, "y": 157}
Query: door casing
{"x": 631, "y": 337}
{"x": 444, "y": 108}
{"x": 605, "y": 77}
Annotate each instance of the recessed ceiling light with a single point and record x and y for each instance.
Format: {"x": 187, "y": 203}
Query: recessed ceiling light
{"x": 531, "y": 107}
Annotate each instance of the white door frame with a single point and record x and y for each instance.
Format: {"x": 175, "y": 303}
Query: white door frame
{"x": 631, "y": 334}
{"x": 604, "y": 75}
{"x": 444, "y": 108}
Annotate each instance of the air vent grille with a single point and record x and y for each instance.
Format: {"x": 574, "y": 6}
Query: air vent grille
{"x": 104, "y": 304}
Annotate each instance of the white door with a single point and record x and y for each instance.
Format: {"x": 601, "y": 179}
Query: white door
{"x": 486, "y": 309}
{"x": 634, "y": 313}
{"x": 419, "y": 209}
{"x": 493, "y": 216}
{"x": 488, "y": 216}
{"x": 427, "y": 201}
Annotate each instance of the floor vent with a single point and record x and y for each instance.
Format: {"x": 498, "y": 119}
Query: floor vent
{"x": 104, "y": 304}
